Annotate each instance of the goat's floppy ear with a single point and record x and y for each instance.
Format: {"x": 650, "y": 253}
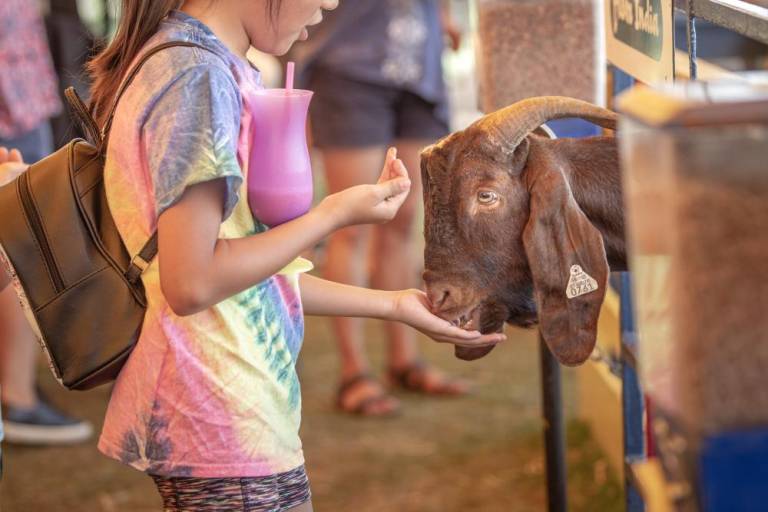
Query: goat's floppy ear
{"x": 567, "y": 259}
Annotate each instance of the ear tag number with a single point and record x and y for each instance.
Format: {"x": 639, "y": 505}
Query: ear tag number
{"x": 580, "y": 283}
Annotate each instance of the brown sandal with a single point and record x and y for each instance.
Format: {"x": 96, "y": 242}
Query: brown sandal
{"x": 366, "y": 406}
{"x": 415, "y": 378}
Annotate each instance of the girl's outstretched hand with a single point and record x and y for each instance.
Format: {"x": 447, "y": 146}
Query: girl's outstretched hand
{"x": 371, "y": 204}
{"x": 11, "y": 165}
{"x": 413, "y": 308}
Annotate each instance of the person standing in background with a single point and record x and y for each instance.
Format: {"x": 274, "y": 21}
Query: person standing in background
{"x": 28, "y": 99}
{"x": 11, "y": 166}
{"x": 71, "y": 44}
{"x": 375, "y": 67}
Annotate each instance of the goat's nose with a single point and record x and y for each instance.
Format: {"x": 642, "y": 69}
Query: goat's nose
{"x": 442, "y": 296}
{"x": 429, "y": 277}
{"x": 437, "y": 296}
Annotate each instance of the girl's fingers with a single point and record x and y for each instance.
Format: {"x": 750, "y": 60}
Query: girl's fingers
{"x": 387, "y": 173}
{"x": 456, "y": 333}
{"x": 484, "y": 341}
{"x": 13, "y": 155}
{"x": 474, "y": 337}
{"x": 392, "y": 188}
{"x": 399, "y": 169}
{"x": 450, "y": 330}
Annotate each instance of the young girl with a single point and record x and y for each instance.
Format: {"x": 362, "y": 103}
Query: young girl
{"x": 208, "y": 403}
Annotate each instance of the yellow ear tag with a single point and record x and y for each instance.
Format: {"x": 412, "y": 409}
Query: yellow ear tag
{"x": 580, "y": 283}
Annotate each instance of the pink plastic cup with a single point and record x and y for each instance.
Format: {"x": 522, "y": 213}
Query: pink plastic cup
{"x": 280, "y": 172}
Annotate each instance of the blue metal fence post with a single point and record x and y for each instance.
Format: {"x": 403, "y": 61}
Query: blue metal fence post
{"x": 631, "y": 397}
{"x": 551, "y": 391}
{"x": 632, "y": 405}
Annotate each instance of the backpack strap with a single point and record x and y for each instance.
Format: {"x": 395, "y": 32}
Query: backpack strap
{"x": 84, "y": 117}
{"x": 141, "y": 261}
{"x": 130, "y": 78}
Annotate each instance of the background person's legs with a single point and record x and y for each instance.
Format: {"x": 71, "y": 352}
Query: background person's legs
{"x": 18, "y": 348}
{"x": 18, "y": 354}
{"x": 353, "y": 123}
{"x": 27, "y": 417}
{"x": 396, "y": 266}
{"x": 396, "y": 258}
{"x": 347, "y": 262}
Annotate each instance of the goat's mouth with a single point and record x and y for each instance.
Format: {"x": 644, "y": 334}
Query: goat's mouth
{"x": 486, "y": 316}
{"x": 468, "y": 319}
{"x": 525, "y": 321}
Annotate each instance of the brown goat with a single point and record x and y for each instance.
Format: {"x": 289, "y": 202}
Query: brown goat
{"x": 517, "y": 223}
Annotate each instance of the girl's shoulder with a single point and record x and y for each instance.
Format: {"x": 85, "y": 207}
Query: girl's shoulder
{"x": 179, "y": 72}
{"x": 178, "y": 68}
{"x": 207, "y": 52}
{"x": 208, "y": 55}
{"x": 183, "y": 76}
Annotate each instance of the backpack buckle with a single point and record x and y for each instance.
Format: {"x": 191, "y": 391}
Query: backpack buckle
{"x": 140, "y": 263}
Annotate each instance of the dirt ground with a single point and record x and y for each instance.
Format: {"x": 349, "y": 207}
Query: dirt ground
{"x": 479, "y": 453}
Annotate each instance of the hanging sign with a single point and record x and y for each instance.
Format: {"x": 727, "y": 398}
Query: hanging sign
{"x": 639, "y": 38}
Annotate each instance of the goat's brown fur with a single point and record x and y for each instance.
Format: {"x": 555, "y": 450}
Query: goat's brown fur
{"x": 559, "y": 204}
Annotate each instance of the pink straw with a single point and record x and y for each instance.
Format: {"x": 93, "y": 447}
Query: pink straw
{"x": 289, "y": 76}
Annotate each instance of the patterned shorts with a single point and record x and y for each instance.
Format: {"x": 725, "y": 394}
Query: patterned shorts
{"x": 275, "y": 493}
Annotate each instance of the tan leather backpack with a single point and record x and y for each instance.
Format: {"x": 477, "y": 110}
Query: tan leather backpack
{"x": 81, "y": 290}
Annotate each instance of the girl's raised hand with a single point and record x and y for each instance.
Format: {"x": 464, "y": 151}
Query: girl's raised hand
{"x": 371, "y": 204}
{"x": 11, "y": 165}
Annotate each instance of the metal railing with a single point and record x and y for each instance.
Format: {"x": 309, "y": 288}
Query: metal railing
{"x": 747, "y": 18}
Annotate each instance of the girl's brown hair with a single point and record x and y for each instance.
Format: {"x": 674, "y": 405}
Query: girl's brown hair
{"x": 139, "y": 20}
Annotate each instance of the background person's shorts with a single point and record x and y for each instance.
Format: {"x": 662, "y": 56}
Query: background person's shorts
{"x": 346, "y": 113}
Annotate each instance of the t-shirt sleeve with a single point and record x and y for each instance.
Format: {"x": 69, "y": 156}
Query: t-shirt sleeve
{"x": 190, "y": 136}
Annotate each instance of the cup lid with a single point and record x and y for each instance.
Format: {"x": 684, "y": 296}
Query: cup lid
{"x": 284, "y": 92}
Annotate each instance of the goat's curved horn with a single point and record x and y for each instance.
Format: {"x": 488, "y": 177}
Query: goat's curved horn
{"x": 515, "y": 122}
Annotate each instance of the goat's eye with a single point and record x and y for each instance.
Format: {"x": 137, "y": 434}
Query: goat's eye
{"x": 487, "y": 197}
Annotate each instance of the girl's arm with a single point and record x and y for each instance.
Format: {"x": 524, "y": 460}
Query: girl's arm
{"x": 198, "y": 270}
{"x": 320, "y": 297}
{"x": 326, "y": 298}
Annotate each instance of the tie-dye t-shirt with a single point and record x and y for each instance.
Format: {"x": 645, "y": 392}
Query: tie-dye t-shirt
{"x": 214, "y": 394}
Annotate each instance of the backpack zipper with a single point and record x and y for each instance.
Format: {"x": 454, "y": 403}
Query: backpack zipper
{"x": 37, "y": 228}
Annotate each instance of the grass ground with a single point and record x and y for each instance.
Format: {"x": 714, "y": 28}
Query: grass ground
{"x": 479, "y": 453}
